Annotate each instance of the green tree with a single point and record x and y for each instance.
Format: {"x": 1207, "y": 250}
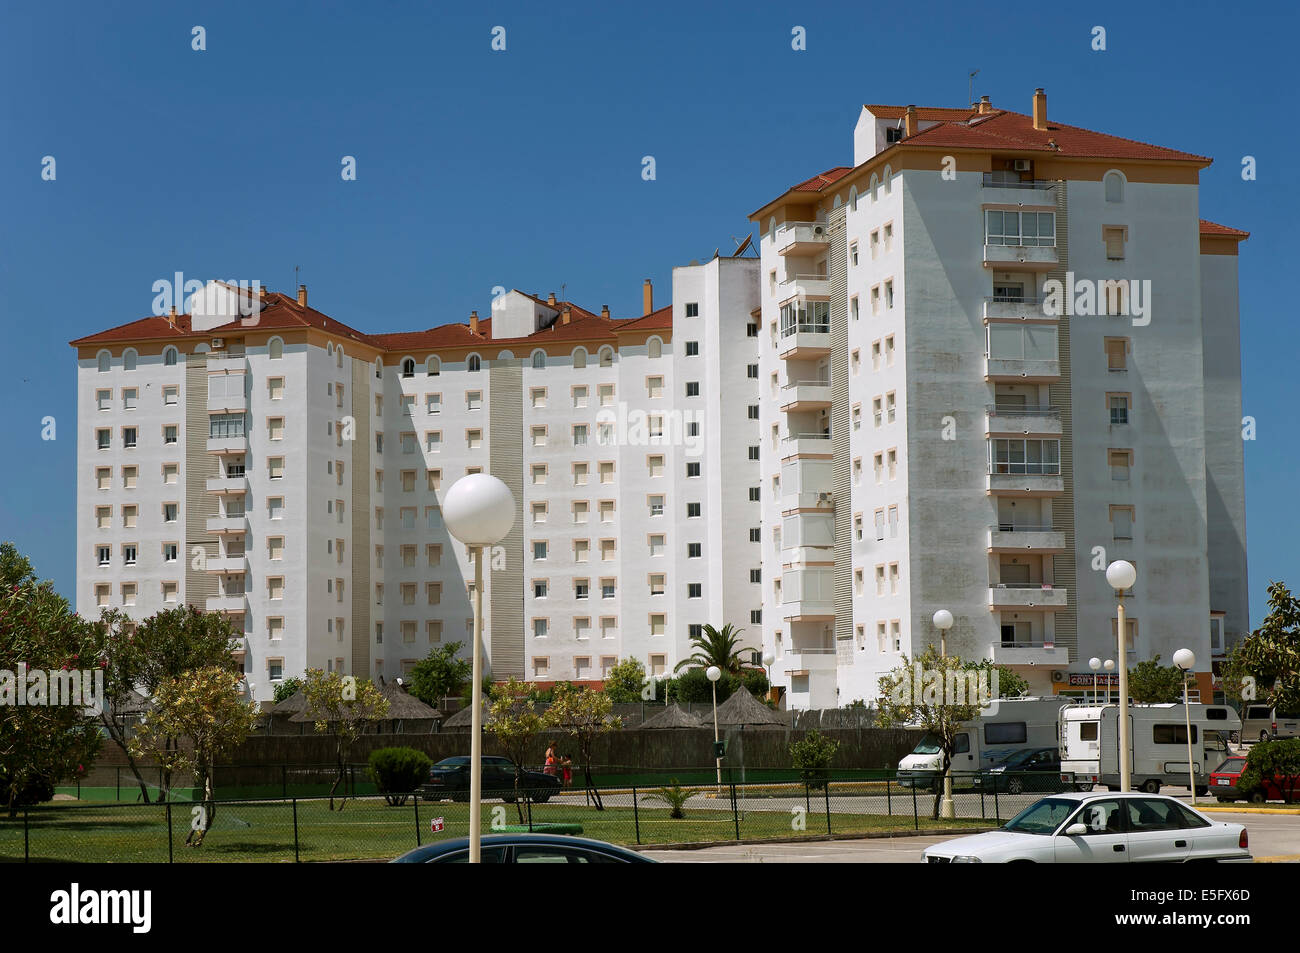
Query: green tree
{"x": 720, "y": 647}
{"x": 1279, "y": 760}
{"x": 513, "y": 719}
{"x": 397, "y": 772}
{"x": 41, "y": 744}
{"x": 342, "y": 706}
{"x": 625, "y": 681}
{"x": 197, "y": 718}
{"x": 287, "y": 689}
{"x": 1150, "y": 683}
{"x": 812, "y": 756}
{"x": 693, "y": 687}
{"x": 442, "y": 674}
{"x": 1265, "y": 665}
{"x": 674, "y": 795}
{"x": 583, "y": 714}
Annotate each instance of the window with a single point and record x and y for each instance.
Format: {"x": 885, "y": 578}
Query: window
{"x": 751, "y": 330}
{"x": 879, "y": 517}
{"x": 129, "y": 438}
{"x": 1119, "y": 406}
{"x": 658, "y": 623}
{"x": 694, "y": 550}
{"x": 432, "y": 366}
{"x": 1116, "y": 354}
{"x": 579, "y": 435}
{"x": 474, "y": 439}
{"x": 275, "y": 547}
{"x": 170, "y": 552}
{"x": 275, "y": 587}
{"x": 408, "y": 367}
{"x": 755, "y": 494}
{"x": 129, "y": 475}
{"x": 1120, "y": 462}
{"x": 692, "y": 348}
{"x": 1121, "y": 522}
{"x": 275, "y": 428}
{"x": 128, "y": 593}
{"x": 539, "y": 512}
{"x": 751, "y": 371}
{"x": 539, "y": 436}
{"x": 473, "y": 400}
{"x": 129, "y": 359}
{"x": 654, "y": 387}
{"x": 1026, "y": 456}
{"x": 473, "y": 364}
{"x": 581, "y": 550}
{"x": 692, "y": 469}
{"x": 171, "y": 472}
{"x": 1019, "y": 228}
{"x": 694, "y": 590}
{"x": 1114, "y": 187}
{"x": 607, "y": 589}
{"x": 655, "y": 464}
{"x": 692, "y": 511}
{"x": 539, "y": 549}
{"x": 608, "y": 549}
{"x": 1113, "y": 236}
{"x": 580, "y": 511}
{"x": 656, "y": 545}
{"x": 889, "y": 294}
{"x": 275, "y": 349}
{"x": 692, "y": 388}
{"x": 275, "y": 507}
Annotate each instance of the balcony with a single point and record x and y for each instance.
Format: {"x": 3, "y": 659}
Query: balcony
{"x": 1025, "y": 595}
{"x": 1026, "y": 484}
{"x": 1009, "y": 538}
{"x": 226, "y": 485}
{"x": 1012, "y": 420}
{"x": 813, "y": 502}
{"x": 225, "y": 525}
{"x": 227, "y": 603}
{"x": 801, "y": 238}
{"x": 1037, "y": 193}
{"x": 803, "y": 286}
{"x": 228, "y": 444}
{"x": 808, "y": 341}
{"x": 805, "y": 395}
{"x": 806, "y": 661}
{"x": 227, "y": 402}
{"x": 1017, "y": 309}
{"x": 1021, "y": 369}
{"x": 226, "y": 565}
{"x": 1029, "y": 653}
{"x": 226, "y": 362}
{"x": 1021, "y": 257}
{"x": 807, "y": 595}
{"x": 806, "y": 445}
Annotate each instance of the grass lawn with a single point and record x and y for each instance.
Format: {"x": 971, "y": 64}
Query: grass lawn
{"x": 368, "y": 828}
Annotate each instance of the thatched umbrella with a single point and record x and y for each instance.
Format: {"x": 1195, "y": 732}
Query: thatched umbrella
{"x": 406, "y": 711}
{"x": 743, "y": 710}
{"x": 465, "y": 718}
{"x": 674, "y": 717}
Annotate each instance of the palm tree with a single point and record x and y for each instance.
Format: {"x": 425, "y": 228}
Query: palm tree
{"x": 720, "y": 647}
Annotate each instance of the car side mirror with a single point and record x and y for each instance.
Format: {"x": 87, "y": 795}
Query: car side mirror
{"x": 1076, "y": 830}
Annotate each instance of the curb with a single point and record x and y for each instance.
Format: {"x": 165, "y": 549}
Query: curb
{"x": 873, "y": 835}
{"x": 1245, "y": 809}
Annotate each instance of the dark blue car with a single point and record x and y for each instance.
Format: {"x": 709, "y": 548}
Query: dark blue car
{"x": 525, "y": 849}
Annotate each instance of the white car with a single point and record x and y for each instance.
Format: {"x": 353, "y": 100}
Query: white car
{"x": 1100, "y": 827}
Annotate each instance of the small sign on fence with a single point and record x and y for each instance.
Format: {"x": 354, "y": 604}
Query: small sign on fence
{"x": 435, "y": 825}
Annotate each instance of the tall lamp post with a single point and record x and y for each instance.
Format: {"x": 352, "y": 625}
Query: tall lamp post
{"x": 768, "y": 661}
{"x": 943, "y": 620}
{"x": 1109, "y": 666}
{"x": 479, "y": 510}
{"x": 1121, "y": 575}
{"x": 1094, "y": 663}
{"x": 714, "y": 673}
{"x": 1185, "y": 659}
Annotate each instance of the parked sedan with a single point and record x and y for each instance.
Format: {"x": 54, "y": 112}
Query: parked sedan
{"x": 1225, "y": 785}
{"x": 525, "y": 849}
{"x": 1030, "y": 769}
{"x": 1100, "y": 828}
{"x": 449, "y": 778}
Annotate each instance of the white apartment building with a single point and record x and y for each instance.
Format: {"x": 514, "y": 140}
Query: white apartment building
{"x": 939, "y": 434}
{"x": 258, "y": 458}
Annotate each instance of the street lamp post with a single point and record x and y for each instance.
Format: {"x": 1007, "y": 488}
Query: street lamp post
{"x": 1185, "y": 659}
{"x": 1094, "y": 663}
{"x": 943, "y": 620}
{"x": 768, "y": 661}
{"x": 1109, "y": 666}
{"x": 479, "y": 510}
{"x": 714, "y": 673}
{"x": 1121, "y": 575}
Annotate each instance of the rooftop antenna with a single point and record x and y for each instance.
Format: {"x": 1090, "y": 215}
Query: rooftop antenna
{"x": 563, "y": 285}
{"x": 970, "y": 87}
{"x": 295, "y": 278}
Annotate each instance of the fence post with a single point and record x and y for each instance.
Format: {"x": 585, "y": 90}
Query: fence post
{"x": 828, "y": 805}
{"x": 735, "y": 807}
{"x": 528, "y": 802}
{"x": 295, "y": 830}
{"x": 284, "y": 780}
{"x": 27, "y": 845}
{"x": 636, "y": 816}
{"x": 807, "y": 804}
{"x": 997, "y": 810}
{"x": 916, "y": 819}
{"x": 171, "y": 858}
{"x": 416, "y": 799}
{"x": 117, "y": 772}
{"x": 889, "y": 803}
{"x": 982, "y": 799}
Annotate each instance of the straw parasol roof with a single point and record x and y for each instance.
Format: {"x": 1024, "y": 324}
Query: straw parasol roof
{"x": 744, "y": 710}
{"x": 403, "y": 706}
{"x": 674, "y": 717}
{"x": 464, "y": 718}
{"x": 290, "y": 706}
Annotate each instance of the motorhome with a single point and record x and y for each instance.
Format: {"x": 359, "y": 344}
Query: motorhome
{"x": 1004, "y": 725}
{"x": 1089, "y": 739}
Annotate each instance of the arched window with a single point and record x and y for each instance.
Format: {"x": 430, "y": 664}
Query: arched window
{"x": 329, "y": 349}
{"x": 539, "y": 359}
{"x": 887, "y": 180}
{"x": 338, "y": 357}
{"x": 275, "y": 349}
{"x": 473, "y": 363}
{"x": 607, "y": 356}
{"x": 408, "y": 367}
{"x": 506, "y": 356}
{"x": 1114, "y": 187}
{"x": 379, "y": 368}
{"x": 853, "y": 198}
{"x": 169, "y": 357}
{"x": 771, "y": 225}
{"x": 873, "y": 185}
{"x": 128, "y": 359}
{"x": 654, "y": 347}
{"x": 579, "y": 357}
{"x": 432, "y": 366}
{"x": 105, "y": 362}
{"x": 837, "y": 203}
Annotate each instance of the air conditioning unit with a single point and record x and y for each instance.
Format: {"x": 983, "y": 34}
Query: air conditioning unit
{"x": 1058, "y": 676}
{"x": 823, "y": 497}
{"x": 819, "y": 229}
{"x": 218, "y": 343}
{"x": 1022, "y": 165}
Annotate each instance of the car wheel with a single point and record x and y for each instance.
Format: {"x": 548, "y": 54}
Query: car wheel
{"x": 541, "y": 797}
{"x": 1202, "y": 790}
{"x": 1151, "y": 786}
{"x": 1221, "y": 800}
{"x": 1015, "y": 786}
{"x": 1263, "y": 736}
{"x": 1257, "y": 797}
{"x": 459, "y": 797}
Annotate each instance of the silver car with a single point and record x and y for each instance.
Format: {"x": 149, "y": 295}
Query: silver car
{"x": 1102, "y": 827}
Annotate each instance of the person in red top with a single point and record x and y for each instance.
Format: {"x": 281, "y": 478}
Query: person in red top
{"x": 567, "y": 764}
{"x": 549, "y": 767}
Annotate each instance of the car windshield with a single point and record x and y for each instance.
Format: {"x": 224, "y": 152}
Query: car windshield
{"x": 927, "y": 745}
{"x": 1043, "y": 817}
{"x": 1231, "y": 766}
{"x": 457, "y": 762}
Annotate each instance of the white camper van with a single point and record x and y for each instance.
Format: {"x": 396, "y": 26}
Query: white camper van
{"x": 1158, "y": 742}
{"x": 1004, "y": 725}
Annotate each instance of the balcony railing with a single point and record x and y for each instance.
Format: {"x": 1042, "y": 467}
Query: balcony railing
{"x": 1012, "y": 410}
{"x": 1019, "y": 528}
{"x": 803, "y": 285}
{"x": 989, "y": 182}
{"x": 1037, "y": 469}
{"x": 806, "y": 327}
{"x": 801, "y": 238}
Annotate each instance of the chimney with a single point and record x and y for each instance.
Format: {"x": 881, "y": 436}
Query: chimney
{"x": 1040, "y": 109}
{"x": 473, "y": 322}
{"x": 909, "y": 123}
{"x": 302, "y": 296}
{"x": 604, "y": 311}
{"x": 171, "y": 317}
{"x": 550, "y": 299}
{"x": 985, "y": 106}
{"x": 565, "y": 315}
{"x": 647, "y": 297}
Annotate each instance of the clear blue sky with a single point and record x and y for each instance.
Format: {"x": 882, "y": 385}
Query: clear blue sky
{"x": 479, "y": 168}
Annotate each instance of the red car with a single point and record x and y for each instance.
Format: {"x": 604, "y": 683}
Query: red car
{"x": 1224, "y": 778}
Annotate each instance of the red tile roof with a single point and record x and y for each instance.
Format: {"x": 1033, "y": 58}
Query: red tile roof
{"x": 819, "y": 182}
{"x": 924, "y": 113}
{"x": 1213, "y": 228}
